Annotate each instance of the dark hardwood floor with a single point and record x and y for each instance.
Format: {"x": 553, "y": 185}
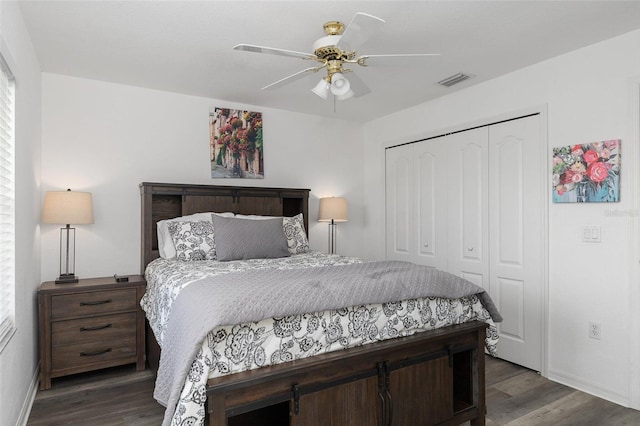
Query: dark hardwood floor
{"x": 515, "y": 397}
{"x": 113, "y": 397}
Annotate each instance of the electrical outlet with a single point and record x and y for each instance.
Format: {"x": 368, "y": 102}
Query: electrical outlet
{"x": 595, "y": 331}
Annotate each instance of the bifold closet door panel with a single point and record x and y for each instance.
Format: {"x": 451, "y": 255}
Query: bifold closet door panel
{"x": 516, "y": 261}
{"x": 430, "y": 211}
{"x": 400, "y": 238}
{"x": 467, "y": 205}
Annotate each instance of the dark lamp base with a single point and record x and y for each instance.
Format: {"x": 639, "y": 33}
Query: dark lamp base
{"x": 67, "y": 279}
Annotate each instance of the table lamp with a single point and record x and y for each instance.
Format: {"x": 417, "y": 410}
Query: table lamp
{"x": 67, "y": 207}
{"x": 333, "y": 210}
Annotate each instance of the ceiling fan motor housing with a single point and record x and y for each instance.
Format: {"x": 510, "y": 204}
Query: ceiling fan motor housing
{"x": 326, "y": 43}
{"x": 333, "y": 28}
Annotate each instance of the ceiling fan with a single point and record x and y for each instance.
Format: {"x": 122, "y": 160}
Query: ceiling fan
{"x": 335, "y": 50}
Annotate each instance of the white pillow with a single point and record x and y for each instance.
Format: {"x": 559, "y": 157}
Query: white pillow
{"x": 165, "y": 242}
{"x": 255, "y": 216}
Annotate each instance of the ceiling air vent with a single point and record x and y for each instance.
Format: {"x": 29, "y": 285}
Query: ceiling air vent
{"x": 454, "y": 79}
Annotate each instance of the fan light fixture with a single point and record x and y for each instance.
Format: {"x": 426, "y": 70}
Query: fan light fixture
{"x": 322, "y": 88}
{"x": 346, "y": 96}
{"x": 339, "y": 84}
{"x": 339, "y": 87}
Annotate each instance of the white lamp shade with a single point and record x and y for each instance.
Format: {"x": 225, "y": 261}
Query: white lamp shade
{"x": 67, "y": 207}
{"x": 322, "y": 88}
{"x": 339, "y": 84}
{"x": 332, "y": 208}
{"x": 346, "y": 96}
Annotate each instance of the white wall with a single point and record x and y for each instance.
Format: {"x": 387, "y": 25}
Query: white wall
{"x": 590, "y": 97}
{"x": 107, "y": 138}
{"x": 19, "y": 359}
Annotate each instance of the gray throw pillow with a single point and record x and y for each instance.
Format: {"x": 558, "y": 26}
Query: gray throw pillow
{"x": 237, "y": 239}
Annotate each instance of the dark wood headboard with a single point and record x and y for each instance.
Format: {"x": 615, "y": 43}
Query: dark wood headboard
{"x": 168, "y": 200}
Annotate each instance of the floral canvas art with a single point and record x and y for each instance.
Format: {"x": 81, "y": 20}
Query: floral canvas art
{"x": 587, "y": 173}
{"x": 236, "y": 147}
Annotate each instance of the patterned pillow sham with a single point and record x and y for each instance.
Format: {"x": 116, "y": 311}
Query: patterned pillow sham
{"x": 166, "y": 247}
{"x": 296, "y": 236}
{"x": 293, "y": 230}
{"x": 193, "y": 241}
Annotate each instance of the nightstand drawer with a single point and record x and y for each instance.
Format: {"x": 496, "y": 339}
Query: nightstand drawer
{"x": 92, "y": 303}
{"x": 82, "y": 354}
{"x": 102, "y": 328}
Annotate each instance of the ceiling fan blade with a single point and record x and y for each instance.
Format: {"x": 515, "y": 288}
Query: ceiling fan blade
{"x": 273, "y": 51}
{"x": 357, "y": 85}
{"x": 290, "y": 79}
{"x": 400, "y": 59}
{"x": 359, "y": 30}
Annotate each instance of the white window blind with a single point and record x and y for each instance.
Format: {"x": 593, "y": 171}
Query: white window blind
{"x": 7, "y": 204}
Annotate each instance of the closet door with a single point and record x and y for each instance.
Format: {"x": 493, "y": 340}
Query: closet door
{"x": 516, "y": 262}
{"x": 430, "y": 212}
{"x": 467, "y": 205}
{"x": 399, "y": 203}
{"x": 472, "y": 203}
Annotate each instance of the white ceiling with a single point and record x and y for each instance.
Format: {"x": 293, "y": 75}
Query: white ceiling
{"x": 186, "y": 46}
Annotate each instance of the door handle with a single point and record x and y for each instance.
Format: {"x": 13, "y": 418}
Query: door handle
{"x": 383, "y": 403}
{"x": 387, "y": 373}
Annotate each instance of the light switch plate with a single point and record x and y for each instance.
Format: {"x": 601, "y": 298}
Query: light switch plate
{"x": 591, "y": 234}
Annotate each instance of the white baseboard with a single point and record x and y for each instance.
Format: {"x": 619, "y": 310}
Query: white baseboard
{"x": 589, "y": 387}
{"x": 23, "y": 418}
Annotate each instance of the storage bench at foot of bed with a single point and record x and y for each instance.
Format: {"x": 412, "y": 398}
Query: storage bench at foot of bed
{"x": 431, "y": 378}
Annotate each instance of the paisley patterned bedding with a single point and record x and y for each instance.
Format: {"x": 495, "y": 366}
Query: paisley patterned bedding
{"x": 165, "y": 279}
{"x": 231, "y": 349}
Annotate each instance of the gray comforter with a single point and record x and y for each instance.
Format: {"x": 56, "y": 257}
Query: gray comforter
{"x": 255, "y": 295}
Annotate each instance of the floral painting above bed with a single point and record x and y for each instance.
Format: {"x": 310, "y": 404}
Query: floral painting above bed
{"x": 587, "y": 173}
{"x": 236, "y": 147}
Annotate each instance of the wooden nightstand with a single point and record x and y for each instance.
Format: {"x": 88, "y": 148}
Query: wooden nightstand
{"x": 92, "y": 324}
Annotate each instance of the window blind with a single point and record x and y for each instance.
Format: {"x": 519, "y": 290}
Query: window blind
{"x": 7, "y": 204}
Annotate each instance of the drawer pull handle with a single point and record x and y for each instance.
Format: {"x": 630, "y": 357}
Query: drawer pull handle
{"x": 100, "y": 327}
{"x": 99, "y": 302}
{"x": 387, "y": 373}
{"x": 95, "y": 353}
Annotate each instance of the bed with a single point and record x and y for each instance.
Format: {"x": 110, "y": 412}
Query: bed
{"x": 405, "y": 360}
